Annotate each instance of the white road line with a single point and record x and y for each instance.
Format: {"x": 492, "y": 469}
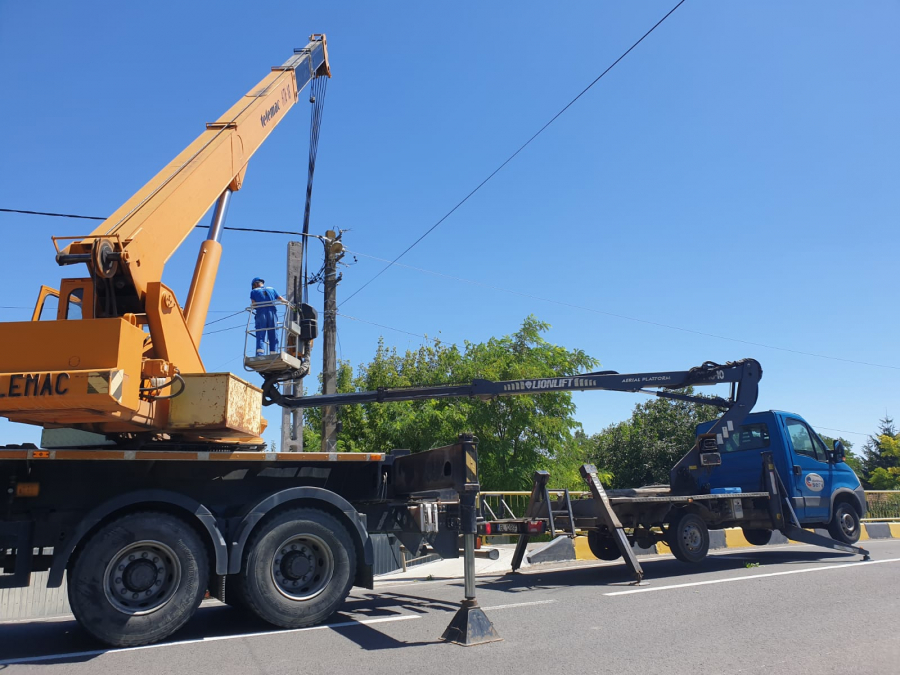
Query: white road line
{"x": 98, "y": 652}
{"x": 518, "y": 604}
{"x": 754, "y": 576}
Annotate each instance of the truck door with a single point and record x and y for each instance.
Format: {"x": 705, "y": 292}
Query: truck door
{"x": 810, "y": 473}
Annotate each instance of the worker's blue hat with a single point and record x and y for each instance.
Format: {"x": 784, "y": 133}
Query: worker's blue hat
{"x": 255, "y": 279}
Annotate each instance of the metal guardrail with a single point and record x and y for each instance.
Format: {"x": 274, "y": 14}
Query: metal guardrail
{"x": 882, "y": 505}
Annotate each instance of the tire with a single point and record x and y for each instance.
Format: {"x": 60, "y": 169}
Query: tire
{"x": 757, "y": 537}
{"x": 688, "y": 537}
{"x": 844, "y": 525}
{"x": 138, "y": 579}
{"x": 602, "y": 546}
{"x": 298, "y": 568}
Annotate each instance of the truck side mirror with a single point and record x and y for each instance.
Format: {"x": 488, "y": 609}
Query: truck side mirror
{"x": 839, "y": 452}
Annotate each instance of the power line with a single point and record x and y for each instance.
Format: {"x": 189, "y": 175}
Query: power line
{"x": 372, "y": 323}
{"x": 56, "y": 215}
{"x": 512, "y": 156}
{"x": 629, "y": 318}
{"x": 198, "y": 227}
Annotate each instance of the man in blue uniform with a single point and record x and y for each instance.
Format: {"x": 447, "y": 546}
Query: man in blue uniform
{"x": 266, "y": 315}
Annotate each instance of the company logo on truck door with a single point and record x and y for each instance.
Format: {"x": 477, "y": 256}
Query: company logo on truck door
{"x": 814, "y": 482}
{"x": 551, "y": 383}
{"x": 37, "y": 384}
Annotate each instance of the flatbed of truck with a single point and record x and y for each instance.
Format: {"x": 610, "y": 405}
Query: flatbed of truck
{"x": 179, "y": 455}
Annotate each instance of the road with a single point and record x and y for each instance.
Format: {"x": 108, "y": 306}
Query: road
{"x": 792, "y": 609}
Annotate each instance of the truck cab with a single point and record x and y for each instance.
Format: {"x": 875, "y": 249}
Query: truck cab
{"x": 824, "y": 490}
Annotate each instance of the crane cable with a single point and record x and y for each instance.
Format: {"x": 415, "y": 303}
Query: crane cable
{"x": 317, "y": 99}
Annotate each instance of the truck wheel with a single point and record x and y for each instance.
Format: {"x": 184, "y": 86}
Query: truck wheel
{"x": 138, "y": 579}
{"x": 757, "y": 537}
{"x": 688, "y": 537}
{"x": 602, "y": 546}
{"x": 844, "y": 525}
{"x": 298, "y": 568}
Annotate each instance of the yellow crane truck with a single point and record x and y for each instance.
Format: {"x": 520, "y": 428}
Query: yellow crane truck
{"x": 152, "y": 485}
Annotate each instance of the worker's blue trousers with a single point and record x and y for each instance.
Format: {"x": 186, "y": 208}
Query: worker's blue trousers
{"x": 266, "y": 320}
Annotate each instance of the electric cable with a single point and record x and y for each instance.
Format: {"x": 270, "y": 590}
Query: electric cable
{"x": 197, "y": 227}
{"x": 631, "y": 318}
{"x": 512, "y": 156}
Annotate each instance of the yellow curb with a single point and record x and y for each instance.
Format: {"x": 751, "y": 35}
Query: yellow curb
{"x": 734, "y": 538}
{"x": 662, "y": 548}
{"x": 583, "y": 550}
{"x": 863, "y": 533}
{"x": 895, "y": 530}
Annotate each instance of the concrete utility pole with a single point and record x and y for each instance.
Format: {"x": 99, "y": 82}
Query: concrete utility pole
{"x": 334, "y": 251}
{"x": 292, "y": 418}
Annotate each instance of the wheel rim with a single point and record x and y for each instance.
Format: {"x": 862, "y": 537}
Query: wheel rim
{"x": 302, "y": 567}
{"x": 848, "y": 524}
{"x": 142, "y": 577}
{"x": 692, "y": 537}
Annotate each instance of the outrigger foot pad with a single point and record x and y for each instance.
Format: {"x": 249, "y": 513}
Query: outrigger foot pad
{"x": 470, "y": 626}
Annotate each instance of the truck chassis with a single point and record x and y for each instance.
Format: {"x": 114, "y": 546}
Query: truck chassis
{"x": 143, "y": 535}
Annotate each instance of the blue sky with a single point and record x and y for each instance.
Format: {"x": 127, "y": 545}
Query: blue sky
{"x": 736, "y": 175}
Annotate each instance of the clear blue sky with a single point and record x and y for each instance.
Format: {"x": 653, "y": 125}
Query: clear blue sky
{"x": 735, "y": 175}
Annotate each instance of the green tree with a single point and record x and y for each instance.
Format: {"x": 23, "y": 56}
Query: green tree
{"x": 517, "y": 434}
{"x": 887, "y": 477}
{"x": 874, "y": 456}
{"x": 643, "y": 449}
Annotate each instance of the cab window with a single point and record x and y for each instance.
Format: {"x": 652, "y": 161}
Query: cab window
{"x": 748, "y": 437}
{"x": 49, "y": 308}
{"x": 801, "y": 439}
{"x": 73, "y": 306}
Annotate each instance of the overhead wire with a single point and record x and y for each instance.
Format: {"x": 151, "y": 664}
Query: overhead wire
{"x": 630, "y": 318}
{"x": 502, "y": 289}
{"x": 512, "y": 156}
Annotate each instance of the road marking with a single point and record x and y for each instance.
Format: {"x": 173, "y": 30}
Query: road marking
{"x": 754, "y": 576}
{"x": 518, "y": 604}
{"x": 98, "y": 652}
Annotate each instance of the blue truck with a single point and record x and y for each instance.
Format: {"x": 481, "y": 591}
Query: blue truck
{"x": 762, "y": 472}
{"x": 824, "y": 491}
{"x": 758, "y": 471}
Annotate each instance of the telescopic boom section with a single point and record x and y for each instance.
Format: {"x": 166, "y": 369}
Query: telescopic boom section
{"x": 136, "y": 241}
{"x": 743, "y": 375}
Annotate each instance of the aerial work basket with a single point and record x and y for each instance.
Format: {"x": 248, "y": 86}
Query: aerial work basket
{"x": 279, "y": 336}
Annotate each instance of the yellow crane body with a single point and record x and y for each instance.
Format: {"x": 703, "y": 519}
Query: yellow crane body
{"x": 120, "y": 357}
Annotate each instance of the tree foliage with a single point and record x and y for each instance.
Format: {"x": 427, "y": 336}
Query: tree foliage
{"x": 643, "y": 449}
{"x": 879, "y": 459}
{"x": 516, "y": 434}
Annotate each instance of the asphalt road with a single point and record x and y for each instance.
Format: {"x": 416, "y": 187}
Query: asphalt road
{"x": 801, "y": 610}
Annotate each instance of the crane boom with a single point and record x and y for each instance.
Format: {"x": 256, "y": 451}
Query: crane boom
{"x": 121, "y": 359}
{"x": 147, "y": 229}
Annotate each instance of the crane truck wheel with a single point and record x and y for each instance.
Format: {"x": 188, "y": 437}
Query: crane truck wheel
{"x": 688, "y": 537}
{"x": 844, "y": 525}
{"x": 603, "y": 547}
{"x": 298, "y": 568}
{"x": 138, "y": 579}
{"x": 757, "y": 537}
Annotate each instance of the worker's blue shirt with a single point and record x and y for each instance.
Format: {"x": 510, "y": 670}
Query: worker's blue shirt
{"x": 265, "y": 316}
{"x": 265, "y": 294}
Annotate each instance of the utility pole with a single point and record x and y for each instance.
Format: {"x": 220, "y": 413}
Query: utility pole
{"x": 292, "y": 419}
{"x": 334, "y": 251}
